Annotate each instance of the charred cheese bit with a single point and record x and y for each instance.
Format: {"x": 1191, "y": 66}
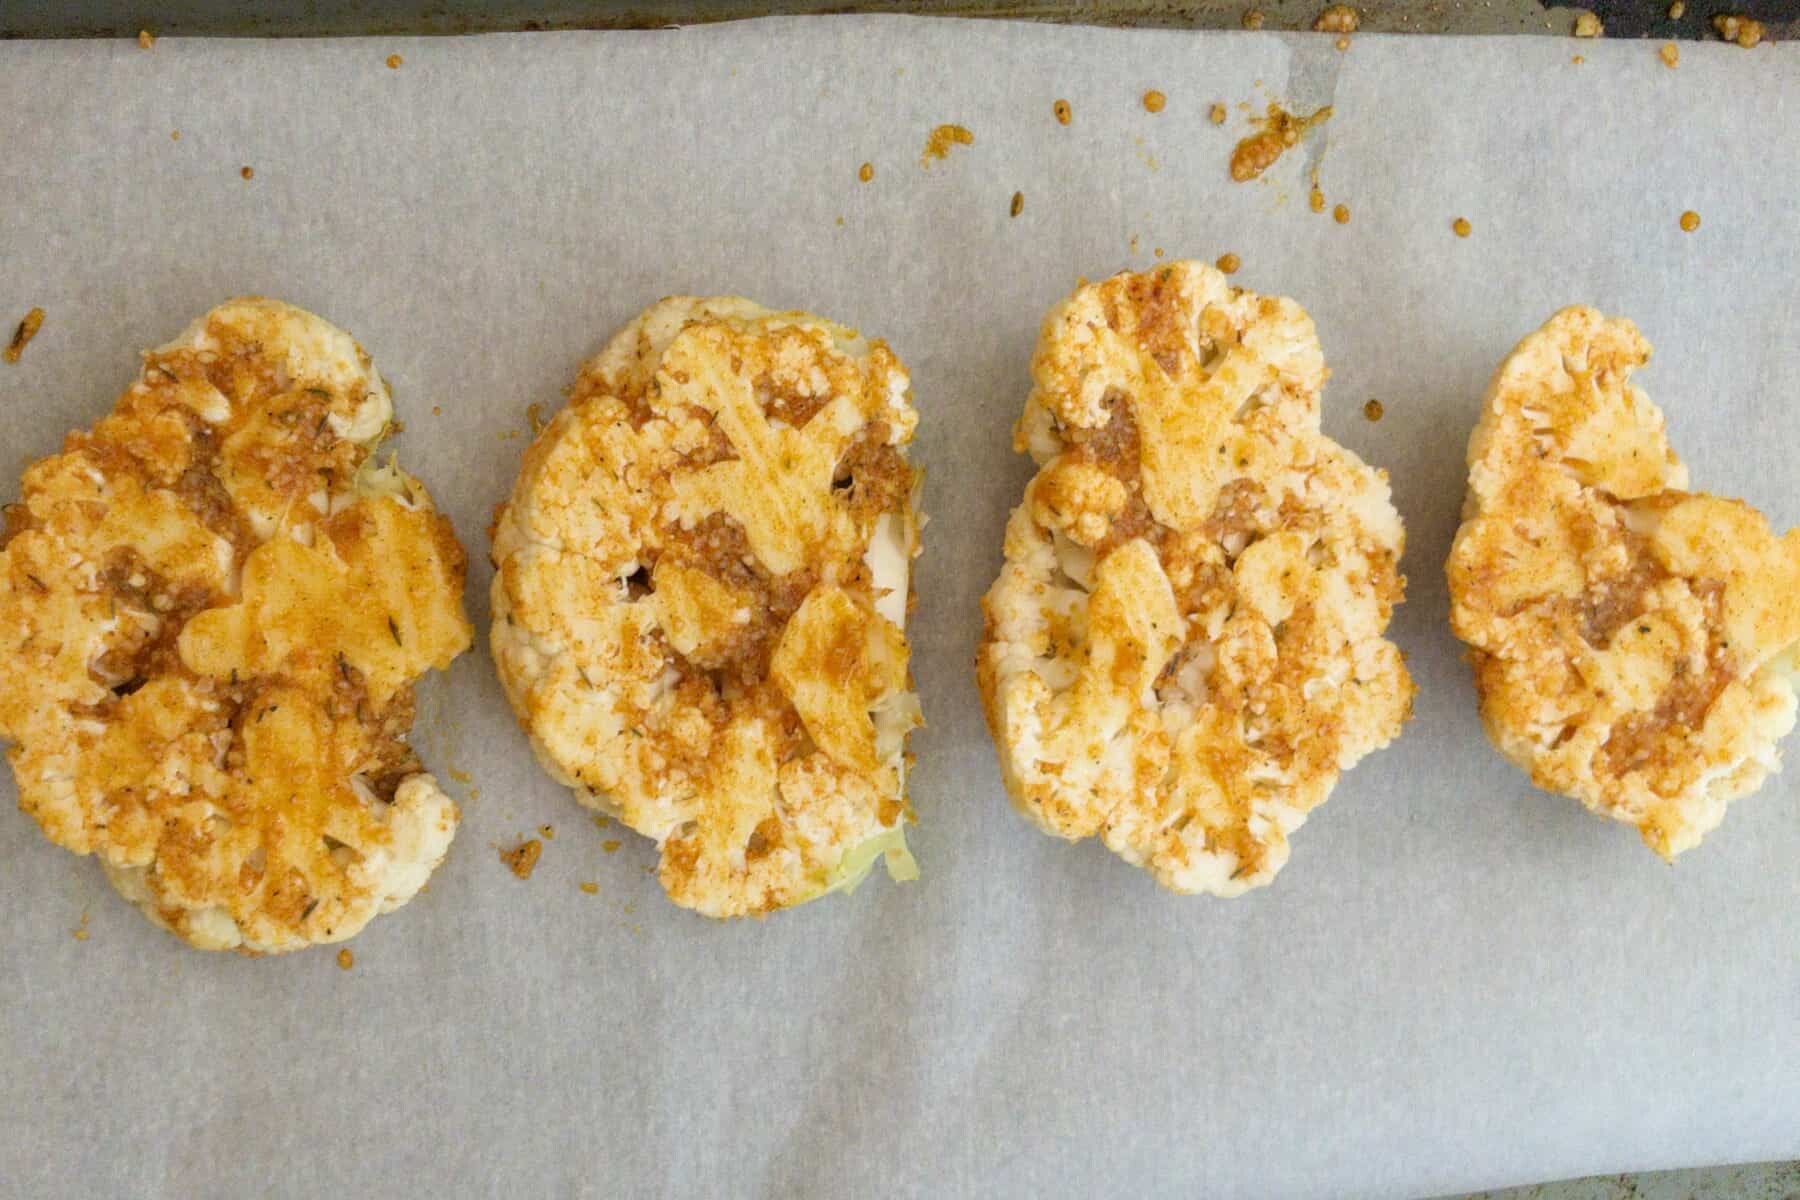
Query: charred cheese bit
{"x": 1633, "y": 642}
{"x": 215, "y": 611}
{"x": 701, "y": 577}
{"x": 1183, "y": 649}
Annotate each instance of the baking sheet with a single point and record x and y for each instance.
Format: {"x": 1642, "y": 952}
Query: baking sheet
{"x": 1456, "y": 982}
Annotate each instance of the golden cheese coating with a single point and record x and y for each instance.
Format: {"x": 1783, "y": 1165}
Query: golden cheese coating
{"x": 1184, "y": 647}
{"x": 213, "y": 606}
{"x": 702, "y": 581}
{"x": 1633, "y": 642}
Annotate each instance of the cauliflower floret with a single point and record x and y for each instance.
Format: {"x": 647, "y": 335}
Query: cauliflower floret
{"x": 1184, "y": 647}
{"x": 214, "y": 613}
{"x": 701, "y": 583}
{"x": 1633, "y": 642}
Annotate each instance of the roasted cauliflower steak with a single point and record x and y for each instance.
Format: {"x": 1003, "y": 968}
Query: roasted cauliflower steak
{"x": 1633, "y": 642}
{"x": 1184, "y": 648}
{"x": 214, "y": 605}
{"x": 701, "y": 589}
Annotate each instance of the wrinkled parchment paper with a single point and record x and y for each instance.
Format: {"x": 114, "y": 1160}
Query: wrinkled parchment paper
{"x": 1457, "y": 982}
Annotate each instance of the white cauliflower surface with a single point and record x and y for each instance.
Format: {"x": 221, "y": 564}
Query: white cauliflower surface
{"x": 1184, "y": 647}
{"x": 1633, "y": 642}
{"x": 702, "y": 578}
{"x": 213, "y": 606}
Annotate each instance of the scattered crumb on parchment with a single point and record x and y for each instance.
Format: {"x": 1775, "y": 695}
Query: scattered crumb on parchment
{"x": 1018, "y": 204}
{"x": 601, "y": 820}
{"x": 1281, "y": 131}
{"x": 939, "y": 141}
{"x": 1579, "y": 59}
{"x": 1690, "y": 221}
{"x": 247, "y": 172}
{"x": 1339, "y": 18}
{"x": 1670, "y": 53}
{"x": 866, "y": 172}
{"x": 1229, "y": 263}
{"x": 1154, "y": 101}
{"x": 1373, "y": 409}
{"x": 146, "y": 39}
{"x": 1461, "y": 227}
{"x": 27, "y": 329}
{"x": 1064, "y": 114}
{"x": 1740, "y": 29}
{"x": 1341, "y": 214}
{"x": 1587, "y": 25}
{"x": 81, "y": 930}
{"x": 534, "y": 417}
{"x": 611, "y": 846}
{"x": 547, "y": 832}
{"x": 394, "y": 61}
{"x": 590, "y": 887}
{"x": 1343, "y": 44}
{"x": 346, "y": 959}
{"x": 1217, "y": 114}
{"x": 522, "y": 859}
{"x": 462, "y": 777}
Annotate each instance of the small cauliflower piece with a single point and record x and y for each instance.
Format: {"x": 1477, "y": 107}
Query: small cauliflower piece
{"x": 702, "y": 581}
{"x": 1184, "y": 647}
{"x": 1633, "y": 642}
{"x": 215, "y": 607}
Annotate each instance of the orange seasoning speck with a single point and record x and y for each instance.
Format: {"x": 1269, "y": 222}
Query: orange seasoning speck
{"x": 522, "y": 859}
{"x": 248, "y": 172}
{"x": 1341, "y": 214}
{"x": 1064, "y": 114}
{"x": 1373, "y": 410}
{"x": 1217, "y": 115}
{"x": 1281, "y": 131}
{"x": 1154, "y": 101}
{"x": 1229, "y": 263}
{"x": 939, "y": 141}
{"x": 346, "y": 959}
{"x": 1316, "y": 199}
{"x": 1690, "y": 221}
{"x": 28, "y": 328}
{"x": 1670, "y": 54}
{"x": 592, "y": 889}
{"x": 1461, "y": 227}
{"x": 611, "y": 846}
{"x": 1343, "y": 44}
{"x": 394, "y": 61}
{"x": 866, "y": 172}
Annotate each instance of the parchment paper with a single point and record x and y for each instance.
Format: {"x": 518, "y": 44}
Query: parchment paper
{"x": 1456, "y": 982}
